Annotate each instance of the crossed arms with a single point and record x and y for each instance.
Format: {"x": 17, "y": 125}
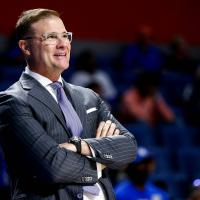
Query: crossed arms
{"x": 47, "y": 161}
{"x": 105, "y": 129}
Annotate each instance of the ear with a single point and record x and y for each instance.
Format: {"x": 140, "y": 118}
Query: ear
{"x": 23, "y": 45}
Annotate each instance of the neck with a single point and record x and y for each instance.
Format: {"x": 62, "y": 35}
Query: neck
{"x": 53, "y": 75}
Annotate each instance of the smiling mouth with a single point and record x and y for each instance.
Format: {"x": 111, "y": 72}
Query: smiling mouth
{"x": 60, "y": 55}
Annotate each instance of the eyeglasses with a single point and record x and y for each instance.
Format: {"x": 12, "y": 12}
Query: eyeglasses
{"x": 53, "y": 38}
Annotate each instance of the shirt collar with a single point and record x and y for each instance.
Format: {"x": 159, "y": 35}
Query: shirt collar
{"x": 41, "y": 79}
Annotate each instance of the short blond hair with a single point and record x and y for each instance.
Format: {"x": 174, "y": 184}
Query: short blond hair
{"x": 28, "y": 17}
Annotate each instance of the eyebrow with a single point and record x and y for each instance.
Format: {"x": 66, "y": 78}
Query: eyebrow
{"x": 59, "y": 33}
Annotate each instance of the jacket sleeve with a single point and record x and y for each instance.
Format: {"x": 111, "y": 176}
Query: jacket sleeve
{"x": 113, "y": 151}
{"x": 36, "y": 152}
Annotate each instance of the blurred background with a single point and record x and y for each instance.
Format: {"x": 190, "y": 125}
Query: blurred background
{"x": 143, "y": 59}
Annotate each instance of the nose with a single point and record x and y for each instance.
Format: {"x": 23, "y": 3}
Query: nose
{"x": 61, "y": 43}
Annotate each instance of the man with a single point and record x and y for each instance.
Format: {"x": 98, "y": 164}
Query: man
{"x": 52, "y": 155}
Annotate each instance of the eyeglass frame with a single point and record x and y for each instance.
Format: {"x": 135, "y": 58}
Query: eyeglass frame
{"x": 44, "y": 37}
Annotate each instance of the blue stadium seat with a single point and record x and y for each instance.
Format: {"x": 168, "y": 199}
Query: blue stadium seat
{"x": 188, "y": 160}
{"x": 145, "y": 135}
{"x": 163, "y": 159}
{"x": 172, "y": 86}
{"x": 175, "y": 135}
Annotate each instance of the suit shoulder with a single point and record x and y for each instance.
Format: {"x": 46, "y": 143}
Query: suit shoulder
{"x": 82, "y": 90}
{"x": 13, "y": 93}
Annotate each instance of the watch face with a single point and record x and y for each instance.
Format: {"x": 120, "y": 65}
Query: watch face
{"x": 75, "y": 138}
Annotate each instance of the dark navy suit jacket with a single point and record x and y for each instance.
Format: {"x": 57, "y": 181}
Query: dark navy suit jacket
{"x": 32, "y": 126}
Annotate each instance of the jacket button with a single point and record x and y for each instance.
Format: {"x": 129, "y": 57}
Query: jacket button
{"x": 87, "y": 178}
{"x": 108, "y": 156}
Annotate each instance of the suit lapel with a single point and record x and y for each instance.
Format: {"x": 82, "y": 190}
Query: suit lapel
{"x": 38, "y": 92}
{"x": 78, "y": 105}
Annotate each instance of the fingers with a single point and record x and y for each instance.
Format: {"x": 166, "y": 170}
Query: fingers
{"x": 99, "y": 129}
{"x": 111, "y": 129}
{"x": 117, "y": 132}
{"x": 107, "y": 129}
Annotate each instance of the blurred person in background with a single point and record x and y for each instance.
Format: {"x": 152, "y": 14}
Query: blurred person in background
{"x": 178, "y": 59}
{"x": 89, "y": 71}
{"x": 144, "y": 103}
{"x": 142, "y": 55}
{"x": 138, "y": 185}
{"x": 195, "y": 193}
{"x": 191, "y": 100}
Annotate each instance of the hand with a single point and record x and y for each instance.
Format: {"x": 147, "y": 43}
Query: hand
{"x": 107, "y": 128}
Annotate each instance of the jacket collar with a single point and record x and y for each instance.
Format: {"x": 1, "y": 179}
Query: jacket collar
{"x": 37, "y": 91}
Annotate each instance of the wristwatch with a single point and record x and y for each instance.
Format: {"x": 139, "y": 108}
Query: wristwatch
{"x": 77, "y": 142}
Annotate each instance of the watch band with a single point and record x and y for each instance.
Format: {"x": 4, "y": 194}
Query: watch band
{"x": 77, "y": 142}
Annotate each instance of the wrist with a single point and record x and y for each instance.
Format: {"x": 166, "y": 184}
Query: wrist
{"x": 76, "y": 141}
{"x": 85, "y": 148}
{"x": 68, "y": 146}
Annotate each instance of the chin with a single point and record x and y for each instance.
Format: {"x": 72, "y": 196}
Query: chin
{"x": 64, "y": 67}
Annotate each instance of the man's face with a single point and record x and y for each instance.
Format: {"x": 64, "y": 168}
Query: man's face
{"x": 46, "y": 58}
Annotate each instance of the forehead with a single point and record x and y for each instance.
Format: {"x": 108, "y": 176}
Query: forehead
{"x": 50, "y": 24}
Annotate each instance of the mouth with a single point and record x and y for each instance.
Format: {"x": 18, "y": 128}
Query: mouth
{"x": 60, "y": 55}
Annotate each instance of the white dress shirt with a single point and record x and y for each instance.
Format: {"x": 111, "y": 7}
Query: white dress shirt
{"x": 45, "y": 82}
